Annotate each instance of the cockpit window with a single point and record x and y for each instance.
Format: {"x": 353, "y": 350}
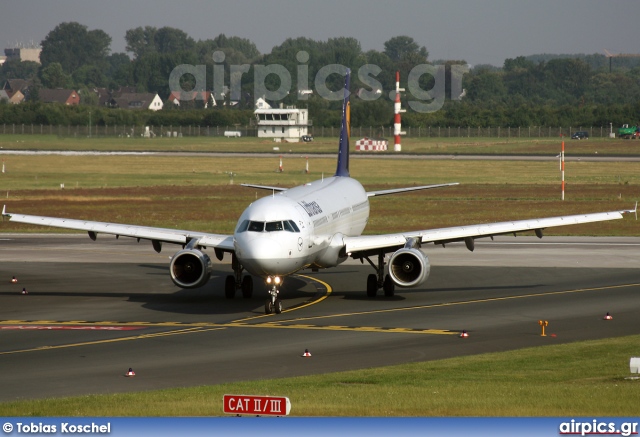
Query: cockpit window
{"x": 290, "y": 226}
{"x": 243, "y": 226}
{"x": 256, "y": 226}
{"x": 274, "y": 226}
{"x": 251, "y": 226}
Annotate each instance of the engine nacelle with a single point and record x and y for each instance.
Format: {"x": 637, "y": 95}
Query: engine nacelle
{"x": 333, "y": 254}
{"x": 409, "y": 267}
{"x": 190, "y": 268}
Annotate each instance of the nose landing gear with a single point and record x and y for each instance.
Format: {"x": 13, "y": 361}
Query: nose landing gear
{"x": 273, "y": 304}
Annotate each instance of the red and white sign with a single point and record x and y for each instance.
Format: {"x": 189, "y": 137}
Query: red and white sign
{"x": 256, "y": 405}
{"x": 368, "y": 144}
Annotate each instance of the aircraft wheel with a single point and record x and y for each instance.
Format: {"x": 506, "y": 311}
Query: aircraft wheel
{"x": 247, "y": 287}
{"x": 230, "y": 287}
{"x": 268, "y": 307}
{"x": 372, "y": 285}
{"x": 278, "y": 306}
{"x": 389, "y": 286}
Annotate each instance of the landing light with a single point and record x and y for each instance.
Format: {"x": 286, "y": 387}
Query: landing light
{"x": 274, "y": 280}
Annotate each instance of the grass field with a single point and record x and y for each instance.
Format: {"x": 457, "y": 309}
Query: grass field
{"x": 196, "y": 192}
{"x": 577, "y": 379}
{"x": 413, "y": 145}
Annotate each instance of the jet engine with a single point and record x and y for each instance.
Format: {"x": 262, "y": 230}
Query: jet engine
{"x": 409, "y": 267}
{"x": 190, "y": 268}
{"x": 333, "y": 254}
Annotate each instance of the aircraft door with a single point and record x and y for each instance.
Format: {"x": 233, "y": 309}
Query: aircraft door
{"x": 306, "y": 229}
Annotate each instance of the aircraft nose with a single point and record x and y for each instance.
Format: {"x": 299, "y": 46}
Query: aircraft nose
{"x": 262, "y": 248}
{"x": 262, "y": 256}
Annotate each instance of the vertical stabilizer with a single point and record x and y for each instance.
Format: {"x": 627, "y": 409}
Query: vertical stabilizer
{"x": 345, "y": 132}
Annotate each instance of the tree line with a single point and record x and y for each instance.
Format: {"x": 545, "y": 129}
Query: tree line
{"x": 538, "y": 90}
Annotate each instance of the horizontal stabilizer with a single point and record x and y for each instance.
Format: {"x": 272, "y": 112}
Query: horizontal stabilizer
{"x": 404, "y": 190}
{"x": 264, "y": 187}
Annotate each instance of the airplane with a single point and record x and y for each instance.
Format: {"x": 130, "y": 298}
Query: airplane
{"x": 315, "y": 225}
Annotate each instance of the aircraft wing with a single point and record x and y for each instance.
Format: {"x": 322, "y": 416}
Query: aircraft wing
{"x": 156, "y": 235}
{"x": 404, "y": 190}
{"x": 368, "y": 244}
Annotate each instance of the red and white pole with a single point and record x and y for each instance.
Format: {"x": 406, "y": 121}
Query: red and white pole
{"x": 397, "y": 122}
{"x": 562, "y": 168}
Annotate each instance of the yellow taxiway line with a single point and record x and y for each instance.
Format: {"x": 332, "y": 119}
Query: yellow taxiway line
{"x": 462, "y": 302}
{"x": 111, "y": 340}
{"x": 199, "y": 327}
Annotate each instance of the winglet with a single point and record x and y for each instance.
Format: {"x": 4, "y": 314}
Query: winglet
{"x": 4, "y": 212}
{"x": 634, "y": 210}
{"x": 343, "y": 149}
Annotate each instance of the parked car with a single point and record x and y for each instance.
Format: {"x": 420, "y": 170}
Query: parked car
{"x": 307, "y": 138}
{"x": 580, "y": 135}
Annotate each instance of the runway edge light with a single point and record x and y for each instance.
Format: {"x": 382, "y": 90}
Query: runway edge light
{"x": 130, "y": 372}
{"x": 464, "y": 334}
{"x": 24, "y": 291}
{"x": 543, "y": 324}
{"x": 608, "y": 317}
{"x": 14, "y": 280}
{"x": 306, "y": 353}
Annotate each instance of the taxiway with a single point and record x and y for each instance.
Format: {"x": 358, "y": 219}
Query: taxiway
{"x": 95, "y": 309}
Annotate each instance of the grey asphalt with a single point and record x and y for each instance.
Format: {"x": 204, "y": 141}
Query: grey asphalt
{"x": 193, "y": 337}
{"x": 355, "y": 155}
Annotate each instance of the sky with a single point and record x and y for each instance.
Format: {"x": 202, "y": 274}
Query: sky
{"x": 478, "y": 31}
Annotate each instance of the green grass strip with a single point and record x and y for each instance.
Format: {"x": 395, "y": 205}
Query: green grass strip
{"x": 578, "y": 379}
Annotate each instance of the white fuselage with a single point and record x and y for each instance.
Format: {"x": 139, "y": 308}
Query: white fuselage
{"x": 267, "y": 243}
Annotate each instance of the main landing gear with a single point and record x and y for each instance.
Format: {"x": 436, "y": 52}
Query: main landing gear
{"x": 237, "y": 282}
{"x": 379, "y": 280}
{"x": 273, "y": 304}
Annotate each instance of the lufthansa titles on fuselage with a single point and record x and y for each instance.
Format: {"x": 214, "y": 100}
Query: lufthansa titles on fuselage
{"x": 312, "y": 208}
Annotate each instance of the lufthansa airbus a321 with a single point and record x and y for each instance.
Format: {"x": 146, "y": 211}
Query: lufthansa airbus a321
{"x": 316, "y": 225}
